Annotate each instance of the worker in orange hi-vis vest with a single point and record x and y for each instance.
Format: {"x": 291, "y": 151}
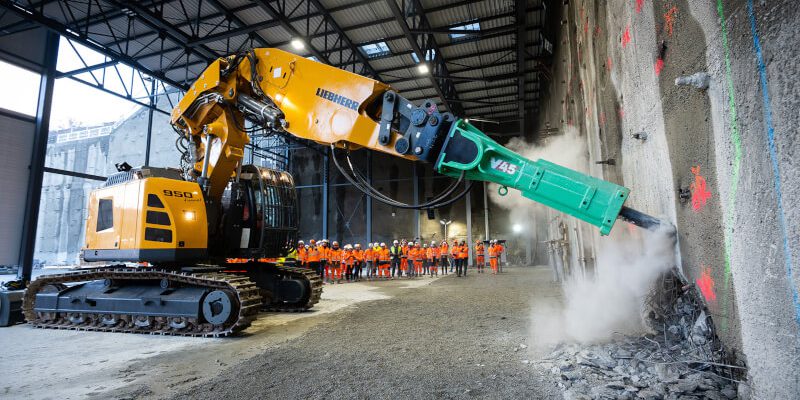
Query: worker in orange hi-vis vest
{"x": 430, "y": 258}
{"x": 383, "y": 262}
{"x": 348, "y": 262}
{"x": 335, "y": 261}
{"x": 463, "y": 254}
{"x": 425, "y": 263}
{"x": 444, "y": 251}
{"x": 301, "y": 253}
{"x": 404, "y": 270}
{"x": 325, "y": 256}
{"x": 313, "y": 258}
{"x": 493, "y": 254}
{"x": 358, "y": 268}
{"x": 455, "y": 252}
{"x": 479, "y": 252}
{"x": 433, "y": 259}
{"x": 419, "y": 258}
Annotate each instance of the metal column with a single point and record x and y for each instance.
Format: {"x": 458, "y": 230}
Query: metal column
{"x": 150, "y": 121}
{"x": 485, "y": 211}
{"x": 45, "y": 102}
{"x": 415, "y": 200}
{"x": 325, "y": 183}
{"x": 369, "y": 199}
{"x": 468, "y": 208}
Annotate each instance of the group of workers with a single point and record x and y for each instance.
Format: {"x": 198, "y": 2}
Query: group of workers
{"x": 403, "y": 258}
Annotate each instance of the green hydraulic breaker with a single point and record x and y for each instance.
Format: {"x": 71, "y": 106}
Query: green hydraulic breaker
{"x": 469, "y": 151}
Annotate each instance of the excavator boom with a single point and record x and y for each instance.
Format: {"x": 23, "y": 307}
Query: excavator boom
{"x": 293, "y": 95}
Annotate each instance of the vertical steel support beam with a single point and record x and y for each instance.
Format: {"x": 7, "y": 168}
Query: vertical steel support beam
{"x": 325, "y": 184}
{"x": 369, "y": 198}
{"x": 485, "y": 210}
{"x": 150, "y": 120}
{"x": 45, "y": 102}
{"x": 468, "y": 210}
{"x": 521, "y": 35}
{"x": 415, "y": 200}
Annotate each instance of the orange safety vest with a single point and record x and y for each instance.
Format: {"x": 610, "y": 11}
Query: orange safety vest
{"x": 335, "y": 255}
{"x": 383, "y": 254}
{"x": 431, "y": 253}
{"x": 313, "y": 254}
{"x": 301, "y": 254}
{"x": 359, "y": 255}
{"x": 418, "y": 254}
{"x": 348, "y": 257}
{"x": 443, "y": 250}
{"x": 404, "y": 252}
{"x": 324, "y": 253}
{"x": 464, "y": 254}
{"x": 493, "y": 251}
{"x": 479, "y": 249}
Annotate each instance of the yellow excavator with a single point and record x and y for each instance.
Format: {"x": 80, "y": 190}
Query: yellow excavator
{"x": 185, "y": 226}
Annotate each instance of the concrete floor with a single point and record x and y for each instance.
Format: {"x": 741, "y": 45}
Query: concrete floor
{"x": 50, "y": 364}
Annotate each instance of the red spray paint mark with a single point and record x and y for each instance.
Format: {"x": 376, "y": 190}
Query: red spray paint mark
{"x": 621, "y": 112}
{"x": 603, "y": 118}
{"x": 659, "y": 66}
{"x": 597, "y": 31}
{"x": 706, "y": 285}
{"x": 609, "y": 63}
{"x": 626, "y": 36}
{"x": 639, "y": 4}
{"x": 669, "y": 20}
{"x": 700, "y": 194}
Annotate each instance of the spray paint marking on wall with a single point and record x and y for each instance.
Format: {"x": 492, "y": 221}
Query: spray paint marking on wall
{"x": 659, "y": 66}
{"x": 730, "y": 210}
{"x": 706, "y": 285}
{"x": 609, "y": 64}
{"x": 700, "y": 194}
{"x": 639, "y": 4}
{"x": 669, "y": 20}
{"x": 626, "y": 36}
{"x": 773, "y": 155}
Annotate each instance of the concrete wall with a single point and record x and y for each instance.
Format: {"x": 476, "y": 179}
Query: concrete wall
{"x": 730, "y": 148}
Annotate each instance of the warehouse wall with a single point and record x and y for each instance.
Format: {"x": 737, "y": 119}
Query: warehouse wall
{"x": 730, "y": 148}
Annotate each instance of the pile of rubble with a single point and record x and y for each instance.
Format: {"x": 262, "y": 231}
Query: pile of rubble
{"x": 681, "y": 358}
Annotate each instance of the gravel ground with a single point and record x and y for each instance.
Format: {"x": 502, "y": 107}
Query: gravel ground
{"x": 454, "y": 338}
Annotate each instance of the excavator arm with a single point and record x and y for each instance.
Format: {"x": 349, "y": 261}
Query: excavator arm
{"x": 289, "y": 94}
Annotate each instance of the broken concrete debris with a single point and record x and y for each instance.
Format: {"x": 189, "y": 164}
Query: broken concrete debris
{"x": 680, "y": 359}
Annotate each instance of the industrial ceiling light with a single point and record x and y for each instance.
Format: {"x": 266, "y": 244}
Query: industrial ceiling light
{"x": 423, "y": 68}
{"x": 298, "y": 44}
{"x": 517, "y": 228}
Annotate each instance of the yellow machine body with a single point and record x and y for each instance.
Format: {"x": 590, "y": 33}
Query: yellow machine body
{"x": 146, "y": 220}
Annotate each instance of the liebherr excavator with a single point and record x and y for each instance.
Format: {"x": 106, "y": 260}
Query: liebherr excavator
{"x": 186, "y": 224}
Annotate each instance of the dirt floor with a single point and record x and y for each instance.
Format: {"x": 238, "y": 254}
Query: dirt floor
{"x": 445, "y": 338}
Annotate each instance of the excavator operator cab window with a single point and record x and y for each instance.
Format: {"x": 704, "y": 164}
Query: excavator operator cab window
{"x": 105, "y": 214}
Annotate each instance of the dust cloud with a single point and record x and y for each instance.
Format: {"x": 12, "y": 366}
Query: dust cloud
{"x": 595, "y": 307}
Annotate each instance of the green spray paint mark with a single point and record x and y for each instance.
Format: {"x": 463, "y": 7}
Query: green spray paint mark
{"x": 737, "y": 161}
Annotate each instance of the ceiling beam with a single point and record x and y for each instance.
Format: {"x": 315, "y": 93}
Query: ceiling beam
{"x": 443, "y": 86}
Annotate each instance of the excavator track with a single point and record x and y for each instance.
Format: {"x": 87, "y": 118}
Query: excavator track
{"x": 307, "y": 302}
{"x": 244, "y": 294}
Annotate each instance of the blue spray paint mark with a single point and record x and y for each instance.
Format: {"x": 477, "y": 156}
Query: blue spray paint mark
{"x": 773, "y": 155}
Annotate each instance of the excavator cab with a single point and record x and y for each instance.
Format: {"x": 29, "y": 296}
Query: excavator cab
{"x": 260, "y": 214}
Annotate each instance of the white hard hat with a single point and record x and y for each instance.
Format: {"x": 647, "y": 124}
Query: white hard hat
{"x": 395, "y": 242}
{"x": 369, "y": 244}
{"x": 358, "y": 245}
{"x": 383, "y": 244}
{"x": 300, "y": 242}
{"x": 433, "y": 243}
